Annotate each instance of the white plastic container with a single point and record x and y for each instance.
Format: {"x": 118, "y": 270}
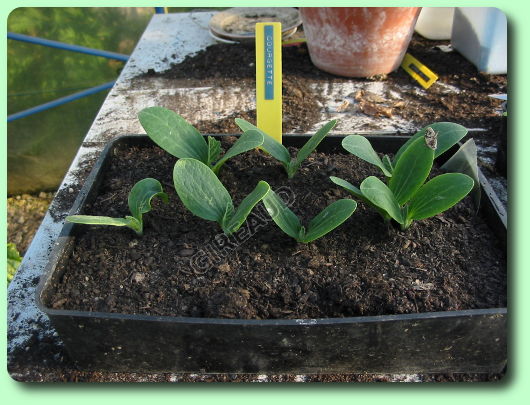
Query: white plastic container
{"x": 435, "y": 22}
{"x": 480, "y": 35}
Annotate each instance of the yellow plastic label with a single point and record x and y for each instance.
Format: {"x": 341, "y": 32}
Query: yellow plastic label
{"x": 419, "y": 72}
{"x": 269, "y": 78}
{"x": 294, "y": 41}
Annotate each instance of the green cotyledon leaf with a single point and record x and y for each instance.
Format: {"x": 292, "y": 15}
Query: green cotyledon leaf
{"x": 142, "y": 193}
{"x": 447, "y": 134}
{"x": 282, "y": 215}
{"x": 174, "y": 134}
{"x": 309, "y": 147}
{"x": 129, "y": 221}
{"x": 362, "y": 148}
{"x": 377, "y": 192}
{"x": 411, "y": 170}
{"x": 246, "y": 206}
{"x": 356, "y": 192}
{"x": 204, "y": 195}
{"x": 270, "y": 145}
{"x": 347, "y": 186}
{"x": 201, "y": 191}
{"x": 329, "y": 218}
{"x": 247, "y": 141}
{"x": 281, "y": 153}
{"x": 139, "y": 202}
{"x": 438, "y": 195}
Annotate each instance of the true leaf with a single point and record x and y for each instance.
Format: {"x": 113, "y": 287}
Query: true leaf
{"x": 448, "y": 134}
{"x": 438, "y": 195}
{"x": 360, "y": 146}
{"x": 301, "y": 234}
{"x": 173, "y": 133}
{"x": 381, "y": 196}
{"x": 388, "y": 163}
{"x": 280, "y": 213}
{"x": 200, "y": 190}
{"x": 247, "y": 141}
{"x": 329, "y": 218}
{"x": 411, "y": 170}
{"x": 214, "y": 150}
{"x": 270, "y": 145}
{"x": 248, "y": 203}
{"x": 229, "y": 210}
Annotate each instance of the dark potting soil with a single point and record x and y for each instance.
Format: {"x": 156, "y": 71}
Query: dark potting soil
{"x": 472, "y": 107}
{"x": 184, "y": 266}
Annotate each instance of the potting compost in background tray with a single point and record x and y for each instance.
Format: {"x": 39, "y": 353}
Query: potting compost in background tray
{"x": 448, "y": 341}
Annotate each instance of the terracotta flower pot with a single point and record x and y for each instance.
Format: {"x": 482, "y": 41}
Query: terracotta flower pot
{"x": 358, "y": 41}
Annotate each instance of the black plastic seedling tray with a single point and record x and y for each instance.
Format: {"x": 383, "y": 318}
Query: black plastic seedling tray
{"x": 470, "y": 341}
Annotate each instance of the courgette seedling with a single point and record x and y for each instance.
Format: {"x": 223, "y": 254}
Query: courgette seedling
{"x": 204, "y": 195}
{"x": 139, "y": 202}
{"x": 327, "y": 220}
{"x": 407, "y": 197}
{"x": 179, "y": 138}
{"x": 446, "y": 135}
{"x": 280, "y": 152}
